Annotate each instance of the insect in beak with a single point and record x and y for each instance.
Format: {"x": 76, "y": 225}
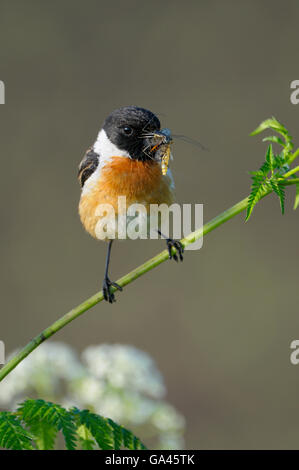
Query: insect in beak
{"x": 161, "y": 148}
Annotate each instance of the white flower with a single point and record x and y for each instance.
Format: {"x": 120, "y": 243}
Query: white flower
{"x": 125, "y": 367}
{"x": 171, "y": 441}
{"x": 166, "y": 418}
{"x": 112, "y": 406}
{"x": 41, "y": 371}
{"x": 87, "y": 391}
{"x": 117, "y": 381}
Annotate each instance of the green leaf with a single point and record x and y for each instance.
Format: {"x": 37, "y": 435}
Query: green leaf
{"x": 45, "y": 419}
{"x": 268, "y": 177}
{"x": 32, "y": 411}
{"x": 125, "y": 437}
{"x": 278, "y": 188}
{"x": 271, "y": 123}
{"x": 263, "y": 171}
{"x": 296, "y": 203}
{"x": 44, "y": 434}
{"x": 12, "y": 434}
{"x": 279, "y": 161}
{"x": 281, "y": 195}
{"x": 270, "y": 158}
{"x": 85, "y": 438}
{"x": 275, "y": 125}
{"x": 98, "y": 427}
{"x": 117, "y": 434}
{"x": 130, "y": 441}
{"x": 258, "y": 189}
{"x": 107, "y": 433}
{"x": 275, "y": 139}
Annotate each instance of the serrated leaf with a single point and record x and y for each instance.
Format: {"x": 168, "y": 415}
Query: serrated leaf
{"x": 125, "y": 438}
{"x": 130, "y": 441}
{"x": 282, "y": 195}
{"x": 98, "y": 427}
{"x": 85, "y": 438}
{"x": 275, "y": 139}
{"x": 87, "y": 444}
{"x": 117, "y": 434}
{"x": 275, "y": 125}
{"x": 270, "y": 158}
{"x": 44, "y": 435}
{"x": 32, "y": 411}
{"x": 45, "y": 419}
{"x": 68, "y": 429}
{"x": 107, "y": 434}
{"x": 271, "y": 123}
{"x": 278, "y": 188}
{"x": 12, "y": 434}
{"x": 296, "y": 203}
{"x": 280, "y": 163}
{"x": 264, "y": 170}
{"x": 257, "y": 191}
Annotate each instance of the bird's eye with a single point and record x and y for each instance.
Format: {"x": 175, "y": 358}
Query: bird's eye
{"x": 128, "y": 130}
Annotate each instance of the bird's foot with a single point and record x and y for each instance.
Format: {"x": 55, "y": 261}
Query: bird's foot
{"x": 179, "y": 249}
{"x": 108, "y": 295}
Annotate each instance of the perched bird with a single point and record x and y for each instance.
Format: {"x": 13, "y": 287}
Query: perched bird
{"x": 129, "y": 158}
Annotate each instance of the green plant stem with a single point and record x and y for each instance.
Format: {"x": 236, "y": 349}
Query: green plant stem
{"x": 125, "y": 280}
{"x": 289, "y": 182}
{"x": 291, "y": 172}
{"x": 293, "y": 156}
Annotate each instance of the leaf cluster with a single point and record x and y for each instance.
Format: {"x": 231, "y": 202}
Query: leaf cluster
{"x": 36, "y": 424}
{"x": 270, "y": 176}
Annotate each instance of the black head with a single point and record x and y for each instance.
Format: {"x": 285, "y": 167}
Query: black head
{"x": 130, "y": 129}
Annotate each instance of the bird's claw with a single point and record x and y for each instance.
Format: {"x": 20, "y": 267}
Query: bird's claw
{"x": 179, "y": 249}
{"x": 108, "y": 295}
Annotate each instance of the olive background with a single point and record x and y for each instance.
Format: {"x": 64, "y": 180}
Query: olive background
{"x": 220, "y": 325}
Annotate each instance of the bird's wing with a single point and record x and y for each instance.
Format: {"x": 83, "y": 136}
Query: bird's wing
{"x": 88, "y": 165}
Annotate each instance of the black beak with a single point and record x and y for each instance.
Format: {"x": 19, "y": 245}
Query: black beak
{"x": 158, "y": 138}
{"x": 164, "y": 135}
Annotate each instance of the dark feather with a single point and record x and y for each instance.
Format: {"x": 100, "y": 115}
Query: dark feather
{"x": 87, "y": 166}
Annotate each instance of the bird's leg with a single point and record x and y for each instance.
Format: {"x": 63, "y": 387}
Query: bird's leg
{"x": 107, "y": 284}
{"x": 171, "y": 243}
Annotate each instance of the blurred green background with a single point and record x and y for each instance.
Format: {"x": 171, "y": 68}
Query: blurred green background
{"x": 220, "y": 325}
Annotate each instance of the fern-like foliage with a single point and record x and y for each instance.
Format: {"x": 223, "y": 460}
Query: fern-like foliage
{"x": 36, "y": 423}
{"x": 107, "y": 434}
{"x": 34, "y": 412}
{"x": 44, "y": 434}
{"x": 12, "y": 434}
{"x": 270, "y": 175}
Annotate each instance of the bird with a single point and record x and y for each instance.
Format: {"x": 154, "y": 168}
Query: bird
{"x": 128, "y": 159}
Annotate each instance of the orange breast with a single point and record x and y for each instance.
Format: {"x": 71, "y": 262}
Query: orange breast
{"x": 140, "y": 182}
